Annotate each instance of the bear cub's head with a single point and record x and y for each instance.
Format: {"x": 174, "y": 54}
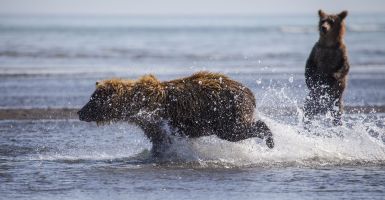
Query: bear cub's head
{"x": 116, "y": 99}
{"x": 331, "y": 25}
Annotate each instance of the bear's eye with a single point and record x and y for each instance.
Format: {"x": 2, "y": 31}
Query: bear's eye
{"x": 331, "y": 21}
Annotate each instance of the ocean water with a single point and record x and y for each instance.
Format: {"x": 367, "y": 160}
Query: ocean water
{"x": 54, "y": 62}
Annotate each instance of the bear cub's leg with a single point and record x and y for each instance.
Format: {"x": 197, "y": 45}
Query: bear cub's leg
{"x": 312, "y": 107}
{"x": 309, "y": 109}
{"x": 336, "y": 109}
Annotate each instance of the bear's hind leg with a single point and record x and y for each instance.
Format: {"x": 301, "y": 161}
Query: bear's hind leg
{"x": 310, "y": 108}
{"x": 313, "y": 106}
{"x": 336, "y": 111}
{"x": 260, "y": 127}
{"x": 257, "y": 129}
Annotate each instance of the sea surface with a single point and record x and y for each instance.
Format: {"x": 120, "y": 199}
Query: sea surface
{"x": 54, "y": 62}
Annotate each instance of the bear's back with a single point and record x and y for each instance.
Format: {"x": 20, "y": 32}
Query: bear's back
{"x": 208, "y": 101}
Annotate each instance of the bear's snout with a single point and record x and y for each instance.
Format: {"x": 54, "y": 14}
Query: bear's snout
{"x": 83, "y": 116}
{"x": 325, "y": 28}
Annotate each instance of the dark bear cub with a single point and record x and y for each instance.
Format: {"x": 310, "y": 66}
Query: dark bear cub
{"x": 327, "y": 68}
{"x": 200, "y": 105}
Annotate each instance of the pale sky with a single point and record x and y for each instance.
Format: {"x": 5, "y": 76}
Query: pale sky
{"x": 185, "y": 7}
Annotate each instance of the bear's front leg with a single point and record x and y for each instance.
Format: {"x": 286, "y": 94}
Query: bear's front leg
{"x": 159, "y": 138}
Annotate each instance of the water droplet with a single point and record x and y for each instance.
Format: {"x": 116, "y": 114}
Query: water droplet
{"x": 291, "y": 79}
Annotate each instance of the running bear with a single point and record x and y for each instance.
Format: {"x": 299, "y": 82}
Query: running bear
{"x": 327, "y": 68}
{"x": 199, "y": 105}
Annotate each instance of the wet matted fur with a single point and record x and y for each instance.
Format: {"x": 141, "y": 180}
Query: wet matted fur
{"x": 327, "y": 68}
{"x": 199, "y": 105}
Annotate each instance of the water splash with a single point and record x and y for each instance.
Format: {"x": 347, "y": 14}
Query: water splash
{"x": 361, "y": 140}
{"x": 343, "y": 145}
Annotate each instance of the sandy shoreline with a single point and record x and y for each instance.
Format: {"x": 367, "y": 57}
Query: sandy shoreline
{"x": 38, "y": 113}
{"x": 70, "y": 113}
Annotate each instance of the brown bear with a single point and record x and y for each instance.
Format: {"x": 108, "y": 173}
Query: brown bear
{"x": 327, "y": 68}
{"x": 199, "y": 105}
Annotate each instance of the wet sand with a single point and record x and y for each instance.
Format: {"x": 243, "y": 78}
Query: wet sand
{"x": 71, "y": 113}
{"x": 38, "y": 113}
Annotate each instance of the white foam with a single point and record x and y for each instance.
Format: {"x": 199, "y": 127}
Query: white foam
{"x": 293, "y": 146}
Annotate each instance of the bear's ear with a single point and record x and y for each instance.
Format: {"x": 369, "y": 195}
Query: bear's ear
{"x": 98, "y": 84}
{"x": 321, "y": 13}
{"x": 149, "y": 79}
{"x": 343, "y": 14}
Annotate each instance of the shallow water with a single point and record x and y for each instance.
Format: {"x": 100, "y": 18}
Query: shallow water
{"x": 54, "y": 62}
{"x": 70, "y": 159}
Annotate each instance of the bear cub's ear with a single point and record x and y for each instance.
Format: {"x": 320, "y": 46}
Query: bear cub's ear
{"x": 321, "y": 13}
{"x": 343, "y": 14}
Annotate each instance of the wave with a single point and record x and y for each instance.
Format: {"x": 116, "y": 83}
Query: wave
{"x": 141, "y": 55}
{"x": 358, "y": 28}
{"x": 298, "y": 29}
{"x": 366, "y": 28}
{"x": 49, "y": 54}
{"x": 191, "y": 29}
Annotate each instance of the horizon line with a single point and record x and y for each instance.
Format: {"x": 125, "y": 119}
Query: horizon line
{"x": 176, "y": 14}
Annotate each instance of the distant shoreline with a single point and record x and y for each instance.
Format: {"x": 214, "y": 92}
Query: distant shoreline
{"x": 71, "y": 113}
